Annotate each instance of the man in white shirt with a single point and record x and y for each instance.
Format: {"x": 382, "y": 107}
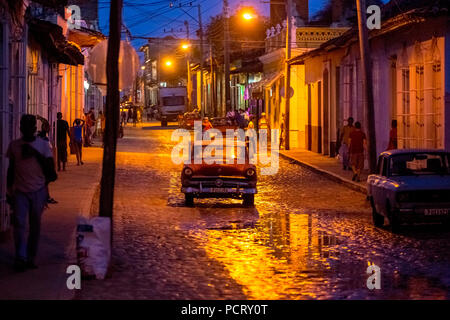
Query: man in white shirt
{"x": 27, "y": 189}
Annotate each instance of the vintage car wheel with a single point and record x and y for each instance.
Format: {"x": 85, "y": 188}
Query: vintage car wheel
{"x": 378, "y": 219}
{"x": 189, "y": 199}
{"x": 249, "y": 199}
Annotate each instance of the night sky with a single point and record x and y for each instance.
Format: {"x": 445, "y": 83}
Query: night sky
{"x": 149, "y": 18}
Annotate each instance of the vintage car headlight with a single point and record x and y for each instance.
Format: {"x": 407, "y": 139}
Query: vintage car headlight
{"x": 403, "y": 197}
{"x": 188, "y": 171}
{"x": 250, "y": 172}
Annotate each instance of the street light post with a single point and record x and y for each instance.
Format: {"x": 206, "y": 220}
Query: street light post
{"x": 189, "y": 84}
{"x": 226, "y": 40}
{"x": 201, "y": 61}
{"x": 287, "y": 69}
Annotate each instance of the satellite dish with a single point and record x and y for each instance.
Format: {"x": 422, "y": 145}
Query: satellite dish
{"x": 128, "y": 65}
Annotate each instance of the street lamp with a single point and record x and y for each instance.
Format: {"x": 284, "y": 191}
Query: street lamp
{"x": 168, "y": 63}
{"x": 186, "y": 46}
{"x": 248, "y": 13}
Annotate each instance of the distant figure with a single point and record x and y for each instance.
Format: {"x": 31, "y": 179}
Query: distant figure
{"x": 262, "y": 124}
{"x": 393, "y": 136}
{"x": 130, "y": 115}
{"x": 102, "y": 122}
{"x": 282, "y": 131}
{"x": 344, "y": 139}
{"x": 206, "y": 124}
{"x": 78, "y": 125}
{"x": 123, "y": 118}
{"x": 43, "y": 134}
{"x": 90, "y": 126}
{"x": 263, "y": 129}
{"x": 30, "y": 158}
{"x": 62, "y": 131}
{"x": 357, "y": 146}
{"x": 135, "y": 117}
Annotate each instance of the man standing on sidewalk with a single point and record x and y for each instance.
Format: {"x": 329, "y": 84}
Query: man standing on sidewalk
{"x": 357, "y": 146}
{"x": 27, "y": 192}
{"x": 62, "y": 130}
{"x": 345, "y": 135}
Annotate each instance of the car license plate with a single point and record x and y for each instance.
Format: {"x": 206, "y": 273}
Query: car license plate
{"x": 436, "y": 212}
{"x": 220, "y": 190}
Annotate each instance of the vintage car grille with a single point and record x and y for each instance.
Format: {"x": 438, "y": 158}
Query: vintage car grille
{"x": 430, "y": 196}
{"x": 220, "y": 181}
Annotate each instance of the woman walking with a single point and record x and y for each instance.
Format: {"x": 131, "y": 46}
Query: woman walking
{"x": 78, "y": 125}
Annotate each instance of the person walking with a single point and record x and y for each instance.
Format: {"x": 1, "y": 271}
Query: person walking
{"x": 344, "y": 141}
{"x": 123, "y": 118}
{"x": 357, "y": 147}
{"x": 90, "y": 126}
{"x": 251, "y": 133}
{"x": 130, "y": 115}
{"x": 393, "y": 144}
{"x": 102, "y": 118}
{"x": 135, "y": 117}
{"x": 43, "y": 134}
{"x": 30, "y": 160}
{"x": 263, "y": 129}
{"x": 78, "y": 125}
{"x": 62, "y": 131}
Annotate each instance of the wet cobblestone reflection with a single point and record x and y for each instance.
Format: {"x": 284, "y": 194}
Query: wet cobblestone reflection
{"x": 306, "y": 238}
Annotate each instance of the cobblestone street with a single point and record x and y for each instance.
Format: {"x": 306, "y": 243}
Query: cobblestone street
{"x": 306, "y": 238}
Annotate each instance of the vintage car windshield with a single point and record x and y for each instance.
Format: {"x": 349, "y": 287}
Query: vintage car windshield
{"x": 413, "y": 164}
{"x": 221, "y": 152}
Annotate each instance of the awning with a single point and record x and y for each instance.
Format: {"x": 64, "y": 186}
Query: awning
{"x": 50, "y": 36}
{"x": 253, "y": 67}
{"x": 267, "y": 82}
{"x": 85, "y": 37}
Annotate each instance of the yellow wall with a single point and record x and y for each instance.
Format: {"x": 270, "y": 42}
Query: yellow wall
{"x": 299, "y": 107}
{"x": 72, "y": 92}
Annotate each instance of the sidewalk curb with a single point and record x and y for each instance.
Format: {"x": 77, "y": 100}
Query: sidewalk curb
{"x": 84, "y": 211}
{"x": 327, "y": 174}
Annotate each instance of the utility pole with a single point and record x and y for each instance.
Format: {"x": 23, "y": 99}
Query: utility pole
{"x": 111, "y": 112}
{"x": 213, "y": 105}
{"x": 367, "y": 83}
{"x": 202, "y": 107}
{"x": 226, "y": 53}
{"x": 189, "y": 84}
{"x": 287, "y": 76}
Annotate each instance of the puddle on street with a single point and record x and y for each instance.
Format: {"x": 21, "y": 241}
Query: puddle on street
{"x": 308, "y": 238}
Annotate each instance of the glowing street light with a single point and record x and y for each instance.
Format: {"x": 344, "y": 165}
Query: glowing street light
{"x": 185, "y": 46}
{"x": 168, "y": 63}
{"x": 247, "y": 16}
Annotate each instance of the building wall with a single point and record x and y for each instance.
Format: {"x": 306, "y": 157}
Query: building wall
{"x": 299, "y": 107}
{"x": 72, "y": 92}
{"x": 410, "y": 81}
{"x": 12, "y": 96}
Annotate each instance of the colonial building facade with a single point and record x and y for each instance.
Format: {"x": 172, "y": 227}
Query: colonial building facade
{"x": 411, "y": 83}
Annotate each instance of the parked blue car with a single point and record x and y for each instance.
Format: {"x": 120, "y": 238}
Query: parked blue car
{"x": 410, "y": 186}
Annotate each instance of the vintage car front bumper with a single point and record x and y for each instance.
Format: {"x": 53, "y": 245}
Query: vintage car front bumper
{"x": 217, "y": 190}
{"x": 424, "y": 213}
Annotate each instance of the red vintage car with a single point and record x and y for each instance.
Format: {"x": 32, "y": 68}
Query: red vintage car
{"x": 234, "y": 178}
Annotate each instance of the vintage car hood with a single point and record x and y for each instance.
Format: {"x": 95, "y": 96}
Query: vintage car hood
{"x": 424, "y": 182}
